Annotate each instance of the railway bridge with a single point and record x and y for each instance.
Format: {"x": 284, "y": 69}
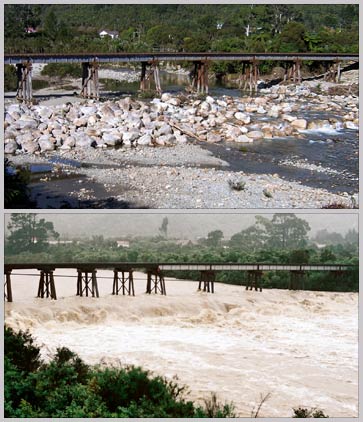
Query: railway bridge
{"x": 249, "y": 77}
{"x": 123, "y": 280}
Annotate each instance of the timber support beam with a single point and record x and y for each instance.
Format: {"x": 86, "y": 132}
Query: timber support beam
{"x": 46, "y": 287}
{"x": 254, "y": 280}
{"x": 155, "y": 283}
{"x": 90, "y": 82}
{"x": 87, "y": 282}
{"x": 199, "y": 82}
{"x": 147, "y": 75}
{"x": 8, "y": 294}
{"x": 297, "y": 280}
{"x": 123, "y": 281}
{"x": 207, "y": 279}
{"x": 248, "y": 79}
{"x": 24, "y": 81}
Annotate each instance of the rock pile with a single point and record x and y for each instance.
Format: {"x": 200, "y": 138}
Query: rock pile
{"x": 172, "y": 120}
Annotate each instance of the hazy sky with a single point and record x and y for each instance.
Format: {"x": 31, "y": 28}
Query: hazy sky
{"x": 186, "y": 226}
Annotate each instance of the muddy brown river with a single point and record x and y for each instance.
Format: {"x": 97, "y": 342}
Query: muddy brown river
{"x": 299, "y": 346}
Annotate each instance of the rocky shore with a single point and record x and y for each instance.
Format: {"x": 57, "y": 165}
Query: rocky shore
{"x": 131, "y": 137}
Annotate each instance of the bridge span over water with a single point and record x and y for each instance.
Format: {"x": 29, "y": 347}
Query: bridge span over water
{"x": 123, "y": 280}
{"x": 150, "y": 67}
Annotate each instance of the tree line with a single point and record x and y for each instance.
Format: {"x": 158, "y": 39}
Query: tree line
{"x": 283, "y": 239}
{"x": 202, "y": 27}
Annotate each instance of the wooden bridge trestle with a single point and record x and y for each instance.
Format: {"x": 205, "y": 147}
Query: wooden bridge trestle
{"x": 126, "y": 276}
{"x": 207, "y": 279}
{"x": 90, "y": 83}
{"x": 155, "y": 283}
{"x": 254, "y": 280}
{"x": 87, "y": 282}
{"x": 297, "y": 280}
{"x": 24, "y": 81}
{"x": 46, "y": 284}
{"x": 8, "y": 294}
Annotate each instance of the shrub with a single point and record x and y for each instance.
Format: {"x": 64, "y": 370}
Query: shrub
{"x": 68, "y": 388}
{"x": 309, "y": 413}
{"x": 62, "y": 70}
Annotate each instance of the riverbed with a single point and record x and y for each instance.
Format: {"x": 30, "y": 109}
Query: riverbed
{"x": 316, "y": 163}
{"x": 300, "y": 346}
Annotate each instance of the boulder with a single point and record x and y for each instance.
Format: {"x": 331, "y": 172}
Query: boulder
{"x": 255, "y": 134}
{"x": 46, "y": 143}
{"x": 11, "y": 146}
{"x": 243, "y": 139}
{"x": 144, "y": 140}
{"x": 299, "y": 124}
{"x": 213, "y": 137}
{"x": 130, "y": 136}
{"x": 83, "y": 141}
{"x": 112, "y": 138}
{"x": 30, "y": 146}
{"x": 242, "y": 117}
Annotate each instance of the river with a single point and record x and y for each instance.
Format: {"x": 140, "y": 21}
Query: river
{"x": 300, "y": 346}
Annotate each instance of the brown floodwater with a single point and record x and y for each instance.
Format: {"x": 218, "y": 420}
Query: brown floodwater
{"x": 300, "y": 346}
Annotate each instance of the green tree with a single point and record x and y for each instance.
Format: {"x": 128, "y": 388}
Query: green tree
{"x": 214, "y": 238}
{"x": 292, "y": 38}
{"x": 163, "y": 229}
{"x": 29, "y": 233}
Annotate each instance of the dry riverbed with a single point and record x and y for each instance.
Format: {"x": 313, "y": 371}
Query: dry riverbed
{"x": 130, "y": 153}
{"x": 183, "y": 176}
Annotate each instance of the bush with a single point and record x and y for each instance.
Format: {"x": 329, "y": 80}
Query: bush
{"x": 309, "y": 413}
{"x": 62, "y": 70}
{"x": 67, "y": 388}
{"x": 16, "y": 186}
{"x": 20, "y": 350}
{"x": 10, "y": 78}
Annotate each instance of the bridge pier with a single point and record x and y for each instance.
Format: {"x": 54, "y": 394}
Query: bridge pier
{"x": 8, "y": 294}
{"x": 254, "y": 280}
{"x": 155, "y": 283}
{"x": 90, "y": 83}
{"x": 207, "y": 278}
{"x": 24, "y": 85}
{"x": 126, "y": 276}
{"x": 199, "y": 81}
{"x": 87, "y": 277}
{"x": 297, "y": 280}
{"x": 249, "y": 76}
{"x": 293, "y": 73}
{"x": 146, "y": 76}
{"x": 332, "y": 72}
{"x": 46, "y": 284}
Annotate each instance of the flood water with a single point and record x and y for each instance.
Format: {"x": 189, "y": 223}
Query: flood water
{"x": 300, "y": 346}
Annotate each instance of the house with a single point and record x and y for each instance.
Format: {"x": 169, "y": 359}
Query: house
{"x": 30, "y": 30}
{"x": 123, "y": 243}
{"x": 104, "y": 33}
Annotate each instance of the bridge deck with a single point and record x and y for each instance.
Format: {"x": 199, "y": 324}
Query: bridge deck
{"x": 186, "y": 266}
{"x": 147, "y": 57}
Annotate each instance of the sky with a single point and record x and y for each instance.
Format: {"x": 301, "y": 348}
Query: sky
{"x": 181, "y": 225}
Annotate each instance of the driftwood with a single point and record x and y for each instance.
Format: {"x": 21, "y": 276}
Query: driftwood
{"x": 186, "y": 132}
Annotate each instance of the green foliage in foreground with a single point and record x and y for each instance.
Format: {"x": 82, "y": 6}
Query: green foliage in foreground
{"x": 68, "y": 388}
{"x": 16, "y": 181}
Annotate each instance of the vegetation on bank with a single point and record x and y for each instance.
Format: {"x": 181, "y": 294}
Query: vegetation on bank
{"x": 66, "y": 387}
{"x": 281, "y": 240}
{"x": 16, "y": 181}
